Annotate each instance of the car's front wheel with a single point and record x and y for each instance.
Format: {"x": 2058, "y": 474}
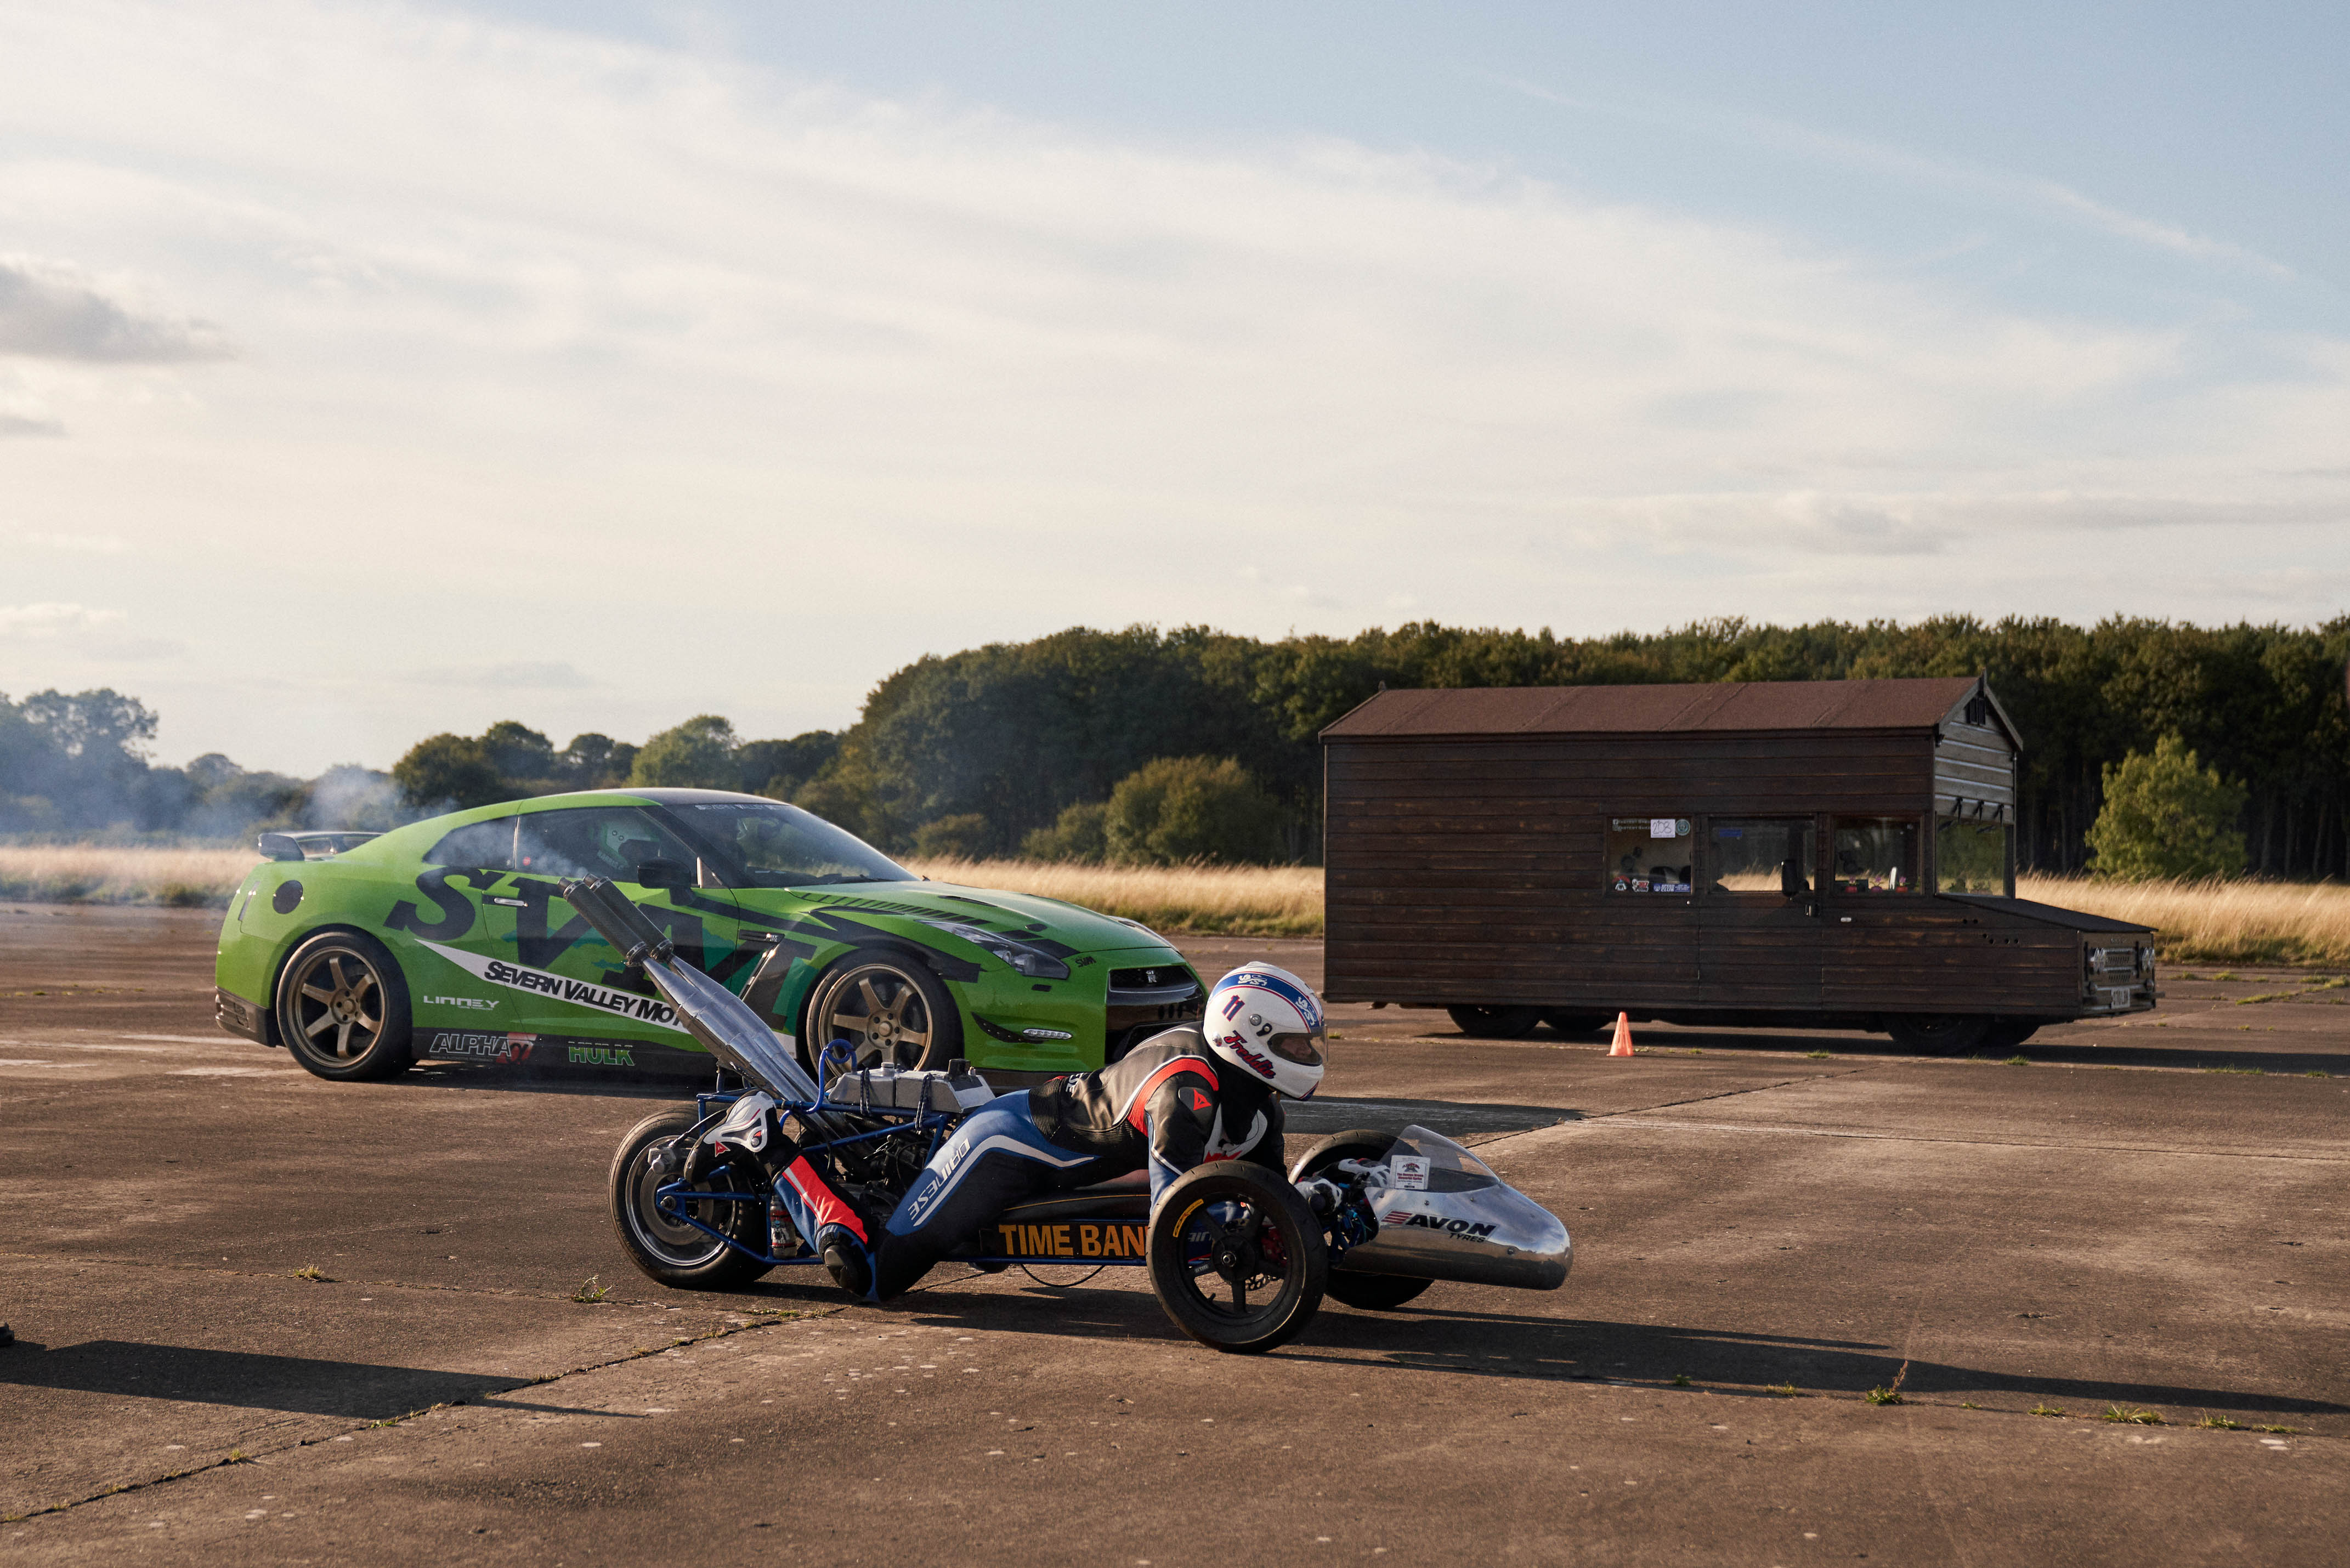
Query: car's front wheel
{"x": 342, "y": 1008}
{"x": 892, "y": 1009}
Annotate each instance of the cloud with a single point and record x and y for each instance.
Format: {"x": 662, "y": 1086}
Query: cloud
{"x": 2047, "y": 196}
{"x": 573, "y": 355}
{"x": 53, "y": 621}
{"x": 15, "y": 424}
{"x": 49, "y": 312}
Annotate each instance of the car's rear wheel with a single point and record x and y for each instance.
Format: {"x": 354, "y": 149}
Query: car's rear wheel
{"x": 1371, "y": 1293}
{"x": 342, "y": 1008}
{"x": 661, "y": 1243}
{"x": 889, "y": 1007}
{"x": 1939, "y": 1033}
{"x": 1496, "y": 1022}
{"x": 1236, "y": 1257}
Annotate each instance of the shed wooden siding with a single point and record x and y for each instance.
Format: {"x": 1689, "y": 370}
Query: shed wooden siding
{"x": 1456, "y": 866}
{"x": 1974, "y": 764}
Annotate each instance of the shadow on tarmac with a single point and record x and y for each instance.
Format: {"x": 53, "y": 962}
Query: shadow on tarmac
{"x": 311, "y": 1387}
{"x": 1650, "y": 1356}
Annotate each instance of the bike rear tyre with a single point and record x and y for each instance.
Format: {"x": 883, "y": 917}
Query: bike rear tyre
{"x": 1247, "y": 1233}
{"x": 665, "y": 1248}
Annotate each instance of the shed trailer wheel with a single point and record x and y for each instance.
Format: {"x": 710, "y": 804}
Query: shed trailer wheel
{"x": 1496, "y": 1022}
{"x": 1940, "y": 1034}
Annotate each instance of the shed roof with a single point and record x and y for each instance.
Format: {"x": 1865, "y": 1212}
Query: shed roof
{"x": 1732, "y": 705}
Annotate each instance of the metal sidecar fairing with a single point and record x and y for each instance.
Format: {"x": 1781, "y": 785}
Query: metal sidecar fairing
{"x": 1444, "y": 1215}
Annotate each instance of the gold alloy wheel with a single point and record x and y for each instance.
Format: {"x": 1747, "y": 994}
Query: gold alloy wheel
{"x": 879, "y": 1009}
{"x": 340, "y": 1005}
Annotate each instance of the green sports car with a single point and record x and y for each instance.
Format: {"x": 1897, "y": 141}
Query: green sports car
{"x": 448, "y": 940}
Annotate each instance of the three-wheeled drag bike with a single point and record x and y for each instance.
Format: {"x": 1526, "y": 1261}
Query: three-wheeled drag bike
{"x": 1238, "y": 1258}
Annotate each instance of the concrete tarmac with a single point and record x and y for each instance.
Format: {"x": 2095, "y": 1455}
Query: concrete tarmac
{"x": 266, "y": 1317}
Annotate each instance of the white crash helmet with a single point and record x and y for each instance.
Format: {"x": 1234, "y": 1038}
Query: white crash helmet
{"x": 1267, "y": 1023}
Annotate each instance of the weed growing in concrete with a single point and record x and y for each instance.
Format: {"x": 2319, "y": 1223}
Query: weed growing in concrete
{"x": 237, "y": 1456}
{"x": 315, "y": 1274}
{"x": 1784, "y": 1390}
{"x": 2225, "y": 974}
{"x": 1969, "y": 1404}
{"x": 589, "y": 1293}
{"x": 2124, "y": 1415}
{"x": 2219, "y": 1424}
{"x": 2240, "y": 1072}
{"x": 2317, "y": 1072}
{"x": 2017, "y": 1062}
{"x": 2046, "y": 1410}
{"x": 1815, "y": 1055}
{"x": 2281, "y": 1431}
{"x": 1681, "y": 1380}
{"x": 2264, "y": 996}
{"x": 1891, "y": 1394}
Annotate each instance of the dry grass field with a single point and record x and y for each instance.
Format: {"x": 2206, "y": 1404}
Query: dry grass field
{"x": 1233, "y": 900}
{"x": 2201, "y": 922}
{"x": 121, "y": 874}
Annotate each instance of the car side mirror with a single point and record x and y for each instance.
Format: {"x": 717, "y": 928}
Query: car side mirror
{"x": 664, "y": 874}
{"x": 279, "y": 846}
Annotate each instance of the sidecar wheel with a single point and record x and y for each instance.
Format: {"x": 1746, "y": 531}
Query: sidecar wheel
{"x": 1237, "y": 1257}
{"x": 663, "y": 1245}
{"x": 1371, "y": 1293}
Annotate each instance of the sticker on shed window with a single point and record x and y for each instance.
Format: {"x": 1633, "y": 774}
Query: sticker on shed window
{"x": 1649, "y": 853}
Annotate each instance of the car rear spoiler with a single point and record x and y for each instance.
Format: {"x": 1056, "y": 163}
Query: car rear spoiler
{"x": 722, "y": 1022}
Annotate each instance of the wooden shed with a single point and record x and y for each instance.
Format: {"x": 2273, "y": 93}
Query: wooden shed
{"x": 1827, "y": 852}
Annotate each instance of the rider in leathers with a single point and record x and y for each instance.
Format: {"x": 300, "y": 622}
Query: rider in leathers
{"x": 1190, "y": 1095}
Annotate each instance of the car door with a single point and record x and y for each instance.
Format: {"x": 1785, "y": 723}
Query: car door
{"x": 575, "y": 983}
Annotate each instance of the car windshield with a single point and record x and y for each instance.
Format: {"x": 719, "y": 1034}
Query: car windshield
{"x": 766, "y": 843}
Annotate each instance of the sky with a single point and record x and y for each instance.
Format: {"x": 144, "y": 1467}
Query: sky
{"x": 373, "y": 369}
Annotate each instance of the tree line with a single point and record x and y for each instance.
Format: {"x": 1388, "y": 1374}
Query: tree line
{"x": 1211, "y": 736}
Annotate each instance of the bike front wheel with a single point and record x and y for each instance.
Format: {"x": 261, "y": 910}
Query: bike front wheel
{"x": 1237, "y": 1257}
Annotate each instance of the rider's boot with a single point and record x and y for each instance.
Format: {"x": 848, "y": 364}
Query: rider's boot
{"x": 830, "y": 1223}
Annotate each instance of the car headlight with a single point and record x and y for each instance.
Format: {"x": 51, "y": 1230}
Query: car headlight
{"x": 1033, "y": 963}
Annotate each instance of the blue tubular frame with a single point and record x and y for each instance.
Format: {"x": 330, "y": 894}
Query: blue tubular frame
{"x": 670, "y": 1200}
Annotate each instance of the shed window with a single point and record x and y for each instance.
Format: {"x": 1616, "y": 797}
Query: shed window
{"x": 1650, "y": 853}
{"x": 1762, "y": 854}
{"x": 1874, "y": 855}
{"x": 1971, "y": 857}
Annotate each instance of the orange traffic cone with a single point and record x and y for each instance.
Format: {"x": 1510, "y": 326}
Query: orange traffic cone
{"x": 1623, "y": 1046}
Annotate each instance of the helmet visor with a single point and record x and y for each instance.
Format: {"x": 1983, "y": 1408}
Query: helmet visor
{"x": 1305, "y": 1049}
